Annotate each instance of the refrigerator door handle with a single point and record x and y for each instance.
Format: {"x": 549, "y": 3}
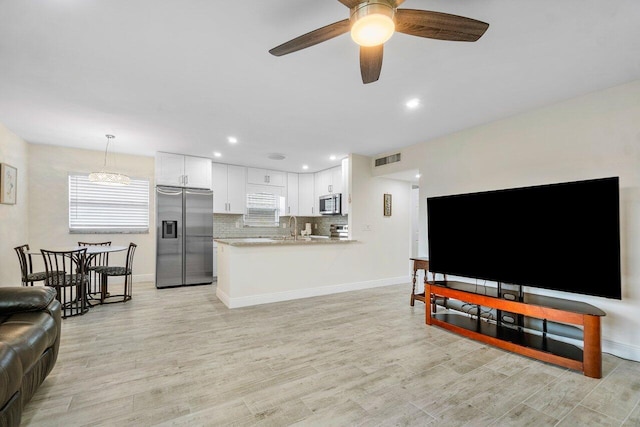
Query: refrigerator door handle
{"x": 168, "y": 191}
{"x": 196, "y": 191}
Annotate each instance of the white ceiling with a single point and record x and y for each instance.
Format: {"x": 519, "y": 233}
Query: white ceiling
{"x": 182, "y": 75}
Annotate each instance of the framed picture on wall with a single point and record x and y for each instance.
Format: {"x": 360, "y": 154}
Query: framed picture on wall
{"x": 8, "y": 184}
{"x": 387, "y": 205}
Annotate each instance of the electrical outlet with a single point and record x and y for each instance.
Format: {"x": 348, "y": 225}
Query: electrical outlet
{"x": 366, "y": 227}
{"x": 237, "y": 224}
{"x": 315, "y": 226}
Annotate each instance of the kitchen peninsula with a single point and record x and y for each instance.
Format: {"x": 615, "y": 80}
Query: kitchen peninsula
{"x": 255, "y": 271}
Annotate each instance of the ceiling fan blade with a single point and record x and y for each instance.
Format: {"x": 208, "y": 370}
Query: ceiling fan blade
{"x": 312, "y": 38}
{"x": 370, "y": 63}
{"x": 441, "y": 26}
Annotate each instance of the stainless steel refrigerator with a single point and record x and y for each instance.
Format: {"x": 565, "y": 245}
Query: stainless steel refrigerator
{"x": 184, "y": 237}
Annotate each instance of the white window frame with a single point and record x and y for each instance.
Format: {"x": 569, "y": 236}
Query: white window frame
{"x": 107, "y": 209}
{"x": 263, "y": 210}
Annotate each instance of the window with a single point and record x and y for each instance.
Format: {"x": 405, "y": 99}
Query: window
{"x": 96, "y": 208}
{"x": 263, "y": 210}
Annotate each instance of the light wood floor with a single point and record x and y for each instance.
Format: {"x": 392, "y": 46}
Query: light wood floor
{"x": 180, "y": 357}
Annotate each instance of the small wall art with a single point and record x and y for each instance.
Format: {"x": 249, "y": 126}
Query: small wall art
{"x": 387, "y": 205}
{"x": 8, "y": 184}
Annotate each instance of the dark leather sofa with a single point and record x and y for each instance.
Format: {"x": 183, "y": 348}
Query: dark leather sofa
{"x": 29, "y": 342}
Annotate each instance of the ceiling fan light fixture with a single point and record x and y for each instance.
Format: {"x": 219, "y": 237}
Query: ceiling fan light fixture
{"x": 372, "y": 24}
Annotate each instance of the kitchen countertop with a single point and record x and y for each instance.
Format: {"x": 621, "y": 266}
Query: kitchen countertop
{"x": 275, "y": 241}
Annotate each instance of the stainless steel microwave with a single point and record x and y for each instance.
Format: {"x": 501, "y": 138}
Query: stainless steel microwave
{"x": 331, "y": 204}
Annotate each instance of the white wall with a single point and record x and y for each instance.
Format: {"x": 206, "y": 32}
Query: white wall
{"x": 593, "y": 136}
{"x": 14, "y": 230}
{"x": 388, "y": 239}
{"x": 49, "y": 167}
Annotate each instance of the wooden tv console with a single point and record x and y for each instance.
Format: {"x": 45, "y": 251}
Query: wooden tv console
{"x": 539, "y": 316}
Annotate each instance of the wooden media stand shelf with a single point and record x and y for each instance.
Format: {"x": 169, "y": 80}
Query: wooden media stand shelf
{"x": 538, "y": 317}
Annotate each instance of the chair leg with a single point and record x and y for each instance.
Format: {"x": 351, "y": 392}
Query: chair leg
{"x": 103, "y": 287}
{"x": 125, "y": 295}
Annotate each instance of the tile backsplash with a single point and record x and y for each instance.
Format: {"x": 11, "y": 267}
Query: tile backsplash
{"x": 228, "y": 226}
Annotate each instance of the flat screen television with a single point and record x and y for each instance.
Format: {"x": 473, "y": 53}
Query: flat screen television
{"x": 564, "y": 237}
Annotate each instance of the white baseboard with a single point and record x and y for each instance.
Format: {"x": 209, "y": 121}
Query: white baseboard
{"x": 137, "y": 278}
{"x": 625, "y": 351}
{"x": 307, "y": 293}
{"x": 222, "y": 296}
{"x": 144, "y": 278}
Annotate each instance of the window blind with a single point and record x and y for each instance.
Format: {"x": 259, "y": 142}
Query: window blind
{"x": 262, "y": 210}
{"x": 96, "y": 208}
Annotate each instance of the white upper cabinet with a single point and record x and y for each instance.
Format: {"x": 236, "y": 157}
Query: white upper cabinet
{"x": 346, "y": 195}
{"x": 219, "y": 188}
{"x": 328, "y": 181}
{"x": 261, "y": 188}
{"x": 229, "y": 188}
{"x": 236, "y": 189}
{"x": 292, "y": 194}
{"x": 307, "y": 200}
{"x": 301, "y": 192}
{"x": 322, "y": 182}
{"x": 169, "y": 169}
{"x": 336, "y": 179}
{"x": 197, "y": 172}
{"x": 266, "y": 177}
{"x": 183, "y": 171}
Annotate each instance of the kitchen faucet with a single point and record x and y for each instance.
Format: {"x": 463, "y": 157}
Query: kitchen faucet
{"x": 295, "y": 225}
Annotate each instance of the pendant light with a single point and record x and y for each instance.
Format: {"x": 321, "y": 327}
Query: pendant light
{"x": 108, "y": 178}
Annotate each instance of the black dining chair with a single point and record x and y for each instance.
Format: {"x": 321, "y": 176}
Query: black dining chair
{"x": 94, "y": 261}
{"x": 66, "y": 272}
{"x": 28, "y": 277}
{"x": 114, "y": 271}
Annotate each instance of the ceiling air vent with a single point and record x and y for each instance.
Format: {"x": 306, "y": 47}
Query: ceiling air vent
{"x": 388, "y": 159}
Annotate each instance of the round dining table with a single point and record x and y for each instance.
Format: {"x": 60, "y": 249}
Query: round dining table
{"x": 92, "y": 252}
{"x": 91, "y": 249}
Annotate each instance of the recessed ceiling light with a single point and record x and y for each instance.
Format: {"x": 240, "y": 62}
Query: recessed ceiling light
{"x": 332, "y": 157}
{"x": 305, "y": 167}
{"x": 217, "y": 154}
{"x": 232, "y": 139}
{"x": 412, "y": 104}
{"x": 276, "y": 156}
{"x": 418, "y": 175}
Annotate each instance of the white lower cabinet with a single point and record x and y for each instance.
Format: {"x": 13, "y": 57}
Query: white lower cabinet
{"x": 215, "y": 261}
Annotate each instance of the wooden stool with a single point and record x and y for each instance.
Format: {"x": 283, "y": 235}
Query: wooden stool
{"x": 418, "y": 264}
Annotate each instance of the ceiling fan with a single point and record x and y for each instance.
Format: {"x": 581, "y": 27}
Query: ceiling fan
{"x": 373, "y": 22}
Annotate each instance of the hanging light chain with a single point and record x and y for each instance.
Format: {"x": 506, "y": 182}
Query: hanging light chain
{"x": 106, "y": 150}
